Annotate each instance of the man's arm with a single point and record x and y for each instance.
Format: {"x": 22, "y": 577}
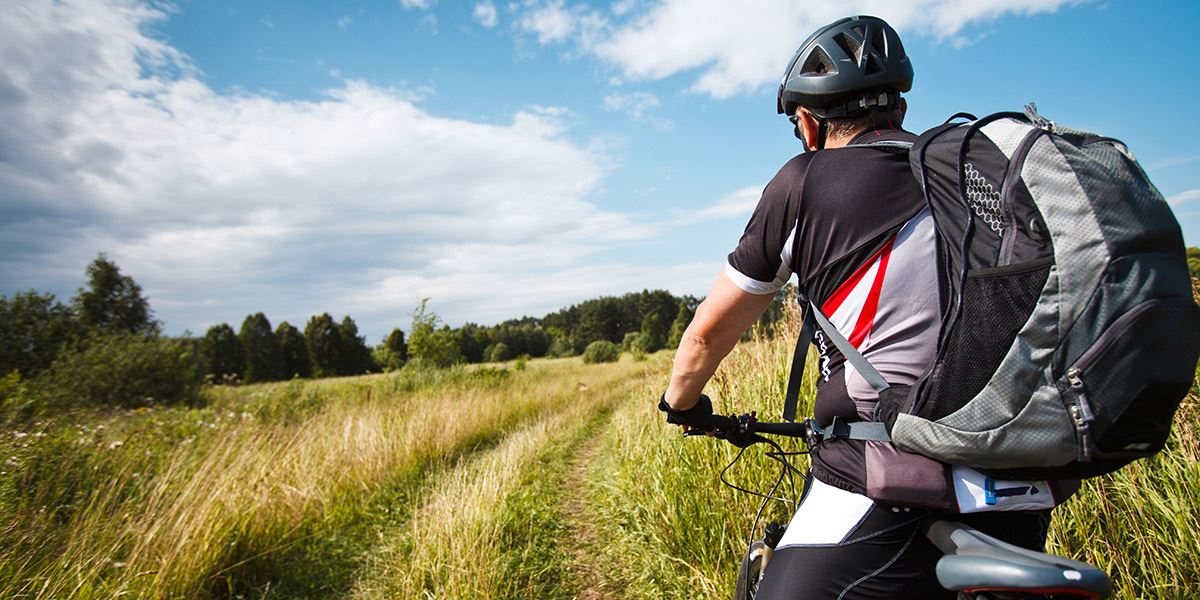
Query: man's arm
{"x": 720, "y": 320}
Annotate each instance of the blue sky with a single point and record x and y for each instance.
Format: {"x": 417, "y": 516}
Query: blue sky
{"x": 501, "y": 158}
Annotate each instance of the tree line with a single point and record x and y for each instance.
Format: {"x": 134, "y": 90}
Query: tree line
{"x": 104, "y": 345}
{"x": 641, "y": 322}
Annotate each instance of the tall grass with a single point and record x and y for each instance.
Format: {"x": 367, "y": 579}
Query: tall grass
{"x": 674, "y": 528}
{"x": 679, "y": 533}
{"x": 91, "y": 516}
{"x": 460, "y": 542}
{"x": 452, "y": 484}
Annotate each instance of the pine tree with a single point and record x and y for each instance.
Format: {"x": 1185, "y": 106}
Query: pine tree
{"x": 355, "y": 356}
{"x": 223, "y": 352}
{"x": 260, "y": 349}
{"x": 324, "y": 341}
{"x": 293, "y": 354}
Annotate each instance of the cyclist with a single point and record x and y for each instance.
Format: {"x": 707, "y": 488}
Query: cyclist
{"x": 847, "y": 217}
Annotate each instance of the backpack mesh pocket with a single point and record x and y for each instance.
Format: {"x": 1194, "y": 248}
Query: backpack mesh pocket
{"x": 996, "y": 303}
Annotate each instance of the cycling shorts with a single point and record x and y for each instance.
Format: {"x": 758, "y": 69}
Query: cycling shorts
{"x": 844, "y": 545}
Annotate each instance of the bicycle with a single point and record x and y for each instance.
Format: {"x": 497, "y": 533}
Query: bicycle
{"x": 977, "y": 565}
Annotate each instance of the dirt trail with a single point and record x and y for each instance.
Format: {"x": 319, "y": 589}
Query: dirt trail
{"x": 581, "y": 542}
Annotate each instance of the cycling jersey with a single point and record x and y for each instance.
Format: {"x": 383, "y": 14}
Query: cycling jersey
{"x": 851, "y": 224}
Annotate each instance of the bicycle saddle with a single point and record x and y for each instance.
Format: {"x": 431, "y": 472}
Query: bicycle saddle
{"x": 976, "y": 562}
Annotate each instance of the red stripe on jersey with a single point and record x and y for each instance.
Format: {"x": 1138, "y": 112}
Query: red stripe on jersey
{"x": 866, "y": 318}
{"x": 838, "y": 296}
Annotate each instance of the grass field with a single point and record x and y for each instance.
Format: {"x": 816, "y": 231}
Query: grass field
{"x": 554, "y": 481}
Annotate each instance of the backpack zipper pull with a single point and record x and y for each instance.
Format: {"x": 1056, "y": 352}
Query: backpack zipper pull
{"x": 1081, "y": 413}
{"x": 1038, "y": 120}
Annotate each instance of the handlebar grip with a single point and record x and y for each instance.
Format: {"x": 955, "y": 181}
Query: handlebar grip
{"x": 799, "y": 430}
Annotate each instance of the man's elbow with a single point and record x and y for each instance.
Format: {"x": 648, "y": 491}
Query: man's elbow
{"x": 699, "y": 340}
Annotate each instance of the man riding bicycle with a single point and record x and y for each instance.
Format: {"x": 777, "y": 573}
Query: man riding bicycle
{"x": 849, "y": 219}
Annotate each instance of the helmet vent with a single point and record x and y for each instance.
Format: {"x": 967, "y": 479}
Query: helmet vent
{"x": 861, "y": 30}
{"x": 873, "y": 65}
{"x": 879, "y": 41}
{"x": 818, "y": 63}
{"x": 852, "y": 47}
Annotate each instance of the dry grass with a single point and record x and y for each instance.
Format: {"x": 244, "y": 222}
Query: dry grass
{"x": 251, "y": 488}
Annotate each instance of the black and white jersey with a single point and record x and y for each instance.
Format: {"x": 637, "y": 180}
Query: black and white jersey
{"x": 851, "y": 223}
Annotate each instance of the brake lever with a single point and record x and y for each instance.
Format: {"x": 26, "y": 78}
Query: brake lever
{"x": 734, "y": 429}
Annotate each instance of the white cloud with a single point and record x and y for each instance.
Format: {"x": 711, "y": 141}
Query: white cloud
{"x": 485, "y": 14}
{"x": 550, "y": 21}
{"x": 622, "y": 7}
{"x": 638, "y": 105}
{"x": 1183, "y": 197}
{"x": 737, "y": 47}
{"x": 344, "y": 21}
{"x": 422, "y": 4}
{"x": 737, "y": 204}
{"x": 227, "y": 204}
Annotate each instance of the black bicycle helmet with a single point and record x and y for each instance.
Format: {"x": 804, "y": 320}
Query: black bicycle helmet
{"x": 847, "y": 68}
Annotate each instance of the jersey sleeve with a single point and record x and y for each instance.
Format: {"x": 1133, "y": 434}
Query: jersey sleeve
{"x": 761, "y": 262}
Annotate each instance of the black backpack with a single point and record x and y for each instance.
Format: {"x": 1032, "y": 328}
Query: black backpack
{"x": 1069, "y": 332}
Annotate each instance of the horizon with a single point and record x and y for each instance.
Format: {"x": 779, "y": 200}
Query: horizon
{"x": 505, "y": 160}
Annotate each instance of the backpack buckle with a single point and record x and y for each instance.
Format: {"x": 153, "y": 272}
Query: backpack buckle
{"x": 813, "y": 433}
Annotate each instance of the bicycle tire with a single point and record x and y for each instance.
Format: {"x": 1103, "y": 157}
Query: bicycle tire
{"x": 750, "y": 572}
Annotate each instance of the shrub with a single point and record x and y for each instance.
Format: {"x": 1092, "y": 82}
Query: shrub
{"x": 639, "y": 343}
{"x": 125, "y": 370}
{"x": 500, "y": 353}
{"x": 601, "y": 352}
{"x": 561, "y": 347}
{"x": 522, "y": 362}
{"x": 429, "y": 346}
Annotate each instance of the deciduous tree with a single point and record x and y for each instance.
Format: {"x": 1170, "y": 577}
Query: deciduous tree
{"x": 430, "y": 345}
{"x": 33, "y": 328}
{"x": 112, "y": 302}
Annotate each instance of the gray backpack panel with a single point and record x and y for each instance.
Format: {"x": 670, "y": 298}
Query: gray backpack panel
{"x": 1096, "y": 370}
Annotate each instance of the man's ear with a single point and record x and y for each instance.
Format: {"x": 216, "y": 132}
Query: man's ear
{"x": 810, "y": 128}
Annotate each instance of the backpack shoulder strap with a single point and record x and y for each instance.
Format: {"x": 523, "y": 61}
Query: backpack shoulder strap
{"x": 813, "y": 318}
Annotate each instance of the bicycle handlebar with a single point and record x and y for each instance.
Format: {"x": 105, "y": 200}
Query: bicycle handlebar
{"x": 742, "y": 430}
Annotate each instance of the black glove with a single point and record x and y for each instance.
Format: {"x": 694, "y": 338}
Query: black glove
{"x": 698, "y": 416}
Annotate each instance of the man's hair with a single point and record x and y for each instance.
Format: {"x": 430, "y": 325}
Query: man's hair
{"x": 847, "y": 127}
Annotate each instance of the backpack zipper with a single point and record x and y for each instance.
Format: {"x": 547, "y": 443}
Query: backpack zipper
{"x": 1081, "y": 414}
{"x": 1008, "y": 189}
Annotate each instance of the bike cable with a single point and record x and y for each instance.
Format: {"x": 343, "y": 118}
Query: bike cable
{"x": 787, "y": 470}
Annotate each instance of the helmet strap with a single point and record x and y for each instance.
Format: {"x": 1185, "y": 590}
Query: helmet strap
{"x": 822, "y": 131}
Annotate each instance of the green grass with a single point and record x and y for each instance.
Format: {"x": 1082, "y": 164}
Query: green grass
{"x": 679, "y": 533}
{"x": 466, "y": 483}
